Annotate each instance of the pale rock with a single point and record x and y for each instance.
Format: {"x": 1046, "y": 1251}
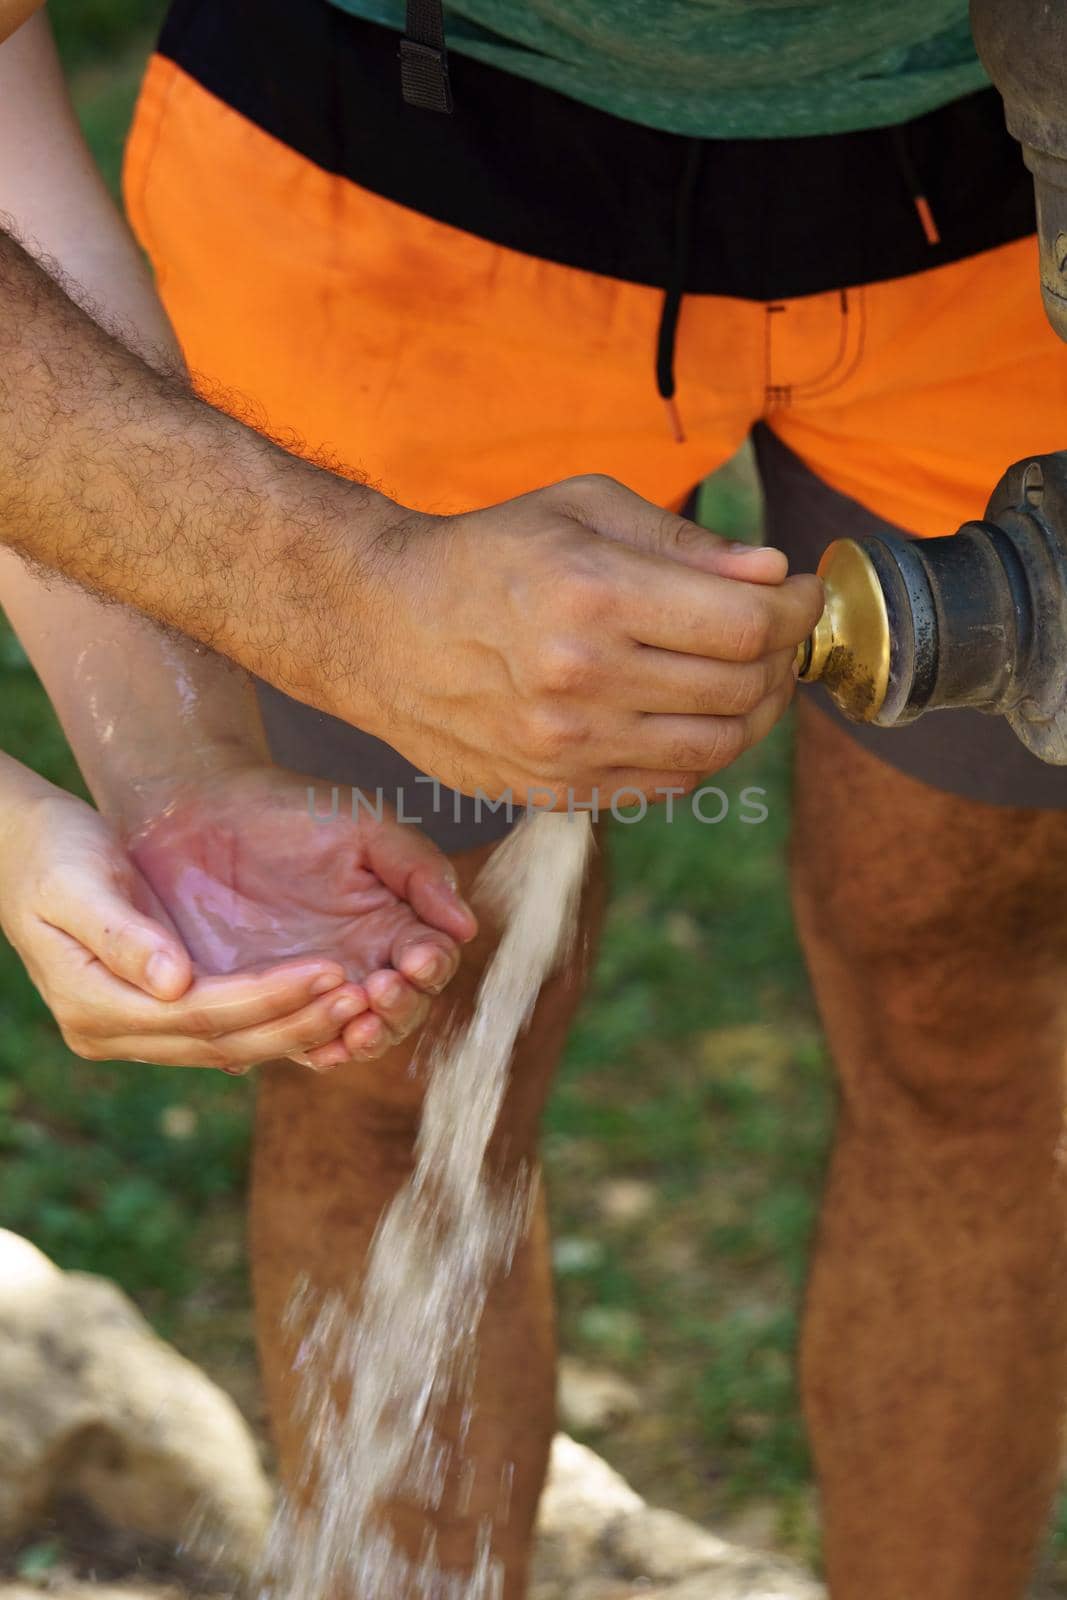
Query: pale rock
{"x": 748, "y": 1578}
{"x": 93, "y": 1404}
{"x": 582, "y": 1496}
{"x": 755, "y": 1525}
{"x": 662, "y": 1545}
{"x": 592, "y": 1399}
{"x": 598, "y": 1540}
{"x": 582, "y": 1488}
{"x": 87, "y": 1591}
{"x": 613, "y": 1589}
{"x": 667, "y": 1548}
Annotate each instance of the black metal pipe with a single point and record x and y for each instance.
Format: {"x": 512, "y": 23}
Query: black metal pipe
{"x": 1023, "y": 46}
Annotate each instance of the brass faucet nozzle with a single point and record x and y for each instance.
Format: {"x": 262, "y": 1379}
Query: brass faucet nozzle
{"x": 849, "y": 648}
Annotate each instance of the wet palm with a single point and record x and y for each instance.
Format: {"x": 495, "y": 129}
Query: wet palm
{"x": 250, "y": 876}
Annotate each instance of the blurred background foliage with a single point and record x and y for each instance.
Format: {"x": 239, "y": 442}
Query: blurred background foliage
{"x": 684, "y": 1145}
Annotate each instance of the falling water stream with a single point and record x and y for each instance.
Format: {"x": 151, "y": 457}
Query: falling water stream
{"x": 373, "y": 1378}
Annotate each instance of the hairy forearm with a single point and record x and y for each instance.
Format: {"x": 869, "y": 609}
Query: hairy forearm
{"x": 118, "y": 476}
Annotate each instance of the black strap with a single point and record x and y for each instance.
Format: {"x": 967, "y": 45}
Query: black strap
{"x": 424, "y": 59}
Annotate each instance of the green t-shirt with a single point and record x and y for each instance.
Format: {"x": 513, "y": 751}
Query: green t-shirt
{"x": 743, "y": 69}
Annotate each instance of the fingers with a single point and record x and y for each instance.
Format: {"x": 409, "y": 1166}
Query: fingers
{"x": 615, "y": 512}
{"x": 396, "y": 1009}
{"x": 666, "y": 681}
{"x": 239, "y": 1000}
{"x": 424, "y": 962}
{"x": 316, "y": 1025}
{"x": 693, "y": 747}
{"x": 99, "y": 1012}
{"x": 699, "y": 745}
{"x": 425, "y": 958}
{"x": 130, "y": 945}
{"x": 417, "y": 871}
{"x": 718, "y": 617}
{"x": 751, "y": 563}
{"x": 313, "y": 1025}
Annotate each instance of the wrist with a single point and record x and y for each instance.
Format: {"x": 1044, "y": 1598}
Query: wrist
{"x": 320, "y": 561}
{"x": 130, "y": 800}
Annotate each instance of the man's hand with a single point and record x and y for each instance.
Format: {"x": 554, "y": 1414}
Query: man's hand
{"x": 577, "y": 637}
{"x": 251, "y": 878}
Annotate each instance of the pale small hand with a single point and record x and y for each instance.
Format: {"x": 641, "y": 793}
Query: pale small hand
{"x": 110, "y": 965}
{"x": 249, "y": 876}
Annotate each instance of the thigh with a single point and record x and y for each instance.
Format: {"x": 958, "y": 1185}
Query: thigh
{"x": 936, "y": 932}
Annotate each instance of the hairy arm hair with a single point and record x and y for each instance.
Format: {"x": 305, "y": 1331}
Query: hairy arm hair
{"x": 117, "y": 474}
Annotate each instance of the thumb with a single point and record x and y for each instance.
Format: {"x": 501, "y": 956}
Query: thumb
{"x": 128, "y": 943}
{"x": 615, "y": 512}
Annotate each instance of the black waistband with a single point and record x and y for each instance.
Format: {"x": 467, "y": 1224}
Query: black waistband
{"x": 528, "y": 168}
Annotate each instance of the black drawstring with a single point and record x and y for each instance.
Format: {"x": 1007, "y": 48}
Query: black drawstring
{"x": 906, "y": 162}
{"x": 684, "y": 203}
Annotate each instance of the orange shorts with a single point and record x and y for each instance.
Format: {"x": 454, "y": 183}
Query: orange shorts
{"x": 455, "y": 370}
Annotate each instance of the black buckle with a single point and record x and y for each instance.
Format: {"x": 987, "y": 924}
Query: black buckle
{"x": 424, "y": 77}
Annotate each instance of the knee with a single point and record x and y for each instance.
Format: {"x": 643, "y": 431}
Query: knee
{"x": 950, "y": 999}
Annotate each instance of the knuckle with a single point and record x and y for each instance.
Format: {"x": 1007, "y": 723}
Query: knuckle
{"x": 678, "y": 533}
{"x": 753, "y": 631}
{"x": 82, "y": 1045}
{"x": 549, "y": 735}
{"x": 566, "y": 666}
{"x": 729, "y": 740}
{"x": 589, "y": 485}
{"x": 214, "y": 1053}
{"x": 690, "y": 756}
{"x": 579, "y": 499}
{"x": 197, "y": 1024}
{"x": 746, "y": 689}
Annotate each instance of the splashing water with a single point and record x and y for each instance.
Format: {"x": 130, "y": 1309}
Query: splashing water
{"x": 446, "y": 1236}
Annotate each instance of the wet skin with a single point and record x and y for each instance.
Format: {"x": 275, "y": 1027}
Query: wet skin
{"x": 251, "y": 878}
